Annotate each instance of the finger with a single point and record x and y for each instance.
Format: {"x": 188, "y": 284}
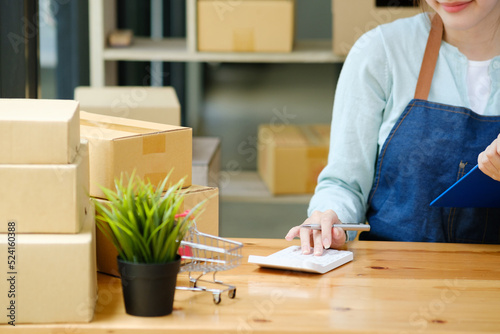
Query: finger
{"x": 487, "y": 165}
{"x": 338, "y": 237}
{"x": 483, "y": 162}
{"x": 318, "y": 244}
{"x": 293, "y": 233}
{"x": 489, "y": 171}
{"x": 305, "y": 240}
{"x": 493, "y": 154}
{"x": 328, "y": 218}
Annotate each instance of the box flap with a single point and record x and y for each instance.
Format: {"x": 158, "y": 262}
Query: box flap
{"x": 127, "y": 122}
{"x": 197, "y": 189}
{"x": 117, "y": 127}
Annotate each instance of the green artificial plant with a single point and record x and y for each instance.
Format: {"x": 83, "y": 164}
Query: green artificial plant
{"x": 143, "y": 223}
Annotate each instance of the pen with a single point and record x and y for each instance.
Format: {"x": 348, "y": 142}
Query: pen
{"x": 347, "y": 227}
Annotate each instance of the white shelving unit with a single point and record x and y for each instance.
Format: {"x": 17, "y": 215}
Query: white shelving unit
{"x": 172, "y": 49}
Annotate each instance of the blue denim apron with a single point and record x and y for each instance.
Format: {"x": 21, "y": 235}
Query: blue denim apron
{"x": 429, "y": 148}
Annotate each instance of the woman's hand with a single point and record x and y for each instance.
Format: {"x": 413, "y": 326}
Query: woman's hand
{"x": 489, "y": 160}
{"x": 328, "y": 237}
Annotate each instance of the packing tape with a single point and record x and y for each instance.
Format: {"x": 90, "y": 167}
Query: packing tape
{"x": 153, "y": 143}
{"x": 312, "y": 136}
{"x": 243, "y": 40}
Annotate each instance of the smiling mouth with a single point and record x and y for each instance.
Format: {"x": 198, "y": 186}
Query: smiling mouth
{"x": 453, "y": 7}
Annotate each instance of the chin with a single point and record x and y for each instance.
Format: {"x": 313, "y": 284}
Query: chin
{"x": 459, "y": 22}
{"x": 459, "y": 25}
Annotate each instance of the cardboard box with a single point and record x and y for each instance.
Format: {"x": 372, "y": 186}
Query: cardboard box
{"x": 120, "y": 38}
{"x": 122, "y": 145}
{"x": 150, "y": 104}
{"x": 351, "y": 19}
{"x": 52, "y": 278}
{"x": 206, "y": 161}
{"x": 246, "y": 25}
{"x": 46, "y": 198}
{"x": 290, "y": 157}
{"x": 38, "y": 131}
{"x": 207, "y": 222}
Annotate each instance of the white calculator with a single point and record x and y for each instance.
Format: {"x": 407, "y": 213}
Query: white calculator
{"x": 291, "y": 258}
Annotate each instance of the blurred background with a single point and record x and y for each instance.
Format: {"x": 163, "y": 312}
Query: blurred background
{"x": 279, "y": 66}
{"x": 234, "y": 98}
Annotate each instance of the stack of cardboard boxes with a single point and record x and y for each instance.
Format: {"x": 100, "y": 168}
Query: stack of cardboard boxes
{"x": 153, "y": 150}
{"x": 47, "y": 244}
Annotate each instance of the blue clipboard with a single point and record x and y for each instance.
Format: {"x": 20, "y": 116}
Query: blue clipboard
{"x": 474, "y": 190}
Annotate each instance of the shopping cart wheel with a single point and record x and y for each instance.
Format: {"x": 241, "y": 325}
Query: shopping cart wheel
{"x": 232, "y": 293}
{"x": 217, "y": 298}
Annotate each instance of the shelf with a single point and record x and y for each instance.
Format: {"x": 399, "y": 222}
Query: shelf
{"x": 248, "y": 187}
{"x": 147, "y": 49}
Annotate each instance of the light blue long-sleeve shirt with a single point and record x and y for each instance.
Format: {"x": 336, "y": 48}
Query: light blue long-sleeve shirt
{"x": 377, "y": 82}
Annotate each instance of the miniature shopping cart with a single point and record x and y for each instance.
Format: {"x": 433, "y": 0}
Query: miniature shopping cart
{"x": 204, "y": 253}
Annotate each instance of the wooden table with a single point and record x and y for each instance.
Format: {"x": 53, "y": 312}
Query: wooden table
{"x": 390, "y": 287}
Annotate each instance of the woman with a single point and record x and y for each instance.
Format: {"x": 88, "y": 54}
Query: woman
{"x": 403, "y": 130}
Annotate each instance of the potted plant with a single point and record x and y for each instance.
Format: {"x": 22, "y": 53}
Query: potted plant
{"x": 146, "y": 228}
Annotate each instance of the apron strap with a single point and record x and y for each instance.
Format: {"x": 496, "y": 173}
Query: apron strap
{"x": 430, "y": 59}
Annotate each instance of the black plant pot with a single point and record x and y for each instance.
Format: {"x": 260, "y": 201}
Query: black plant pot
{"x": 148, "y": 289}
